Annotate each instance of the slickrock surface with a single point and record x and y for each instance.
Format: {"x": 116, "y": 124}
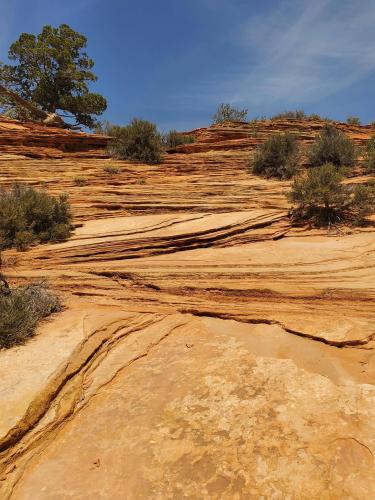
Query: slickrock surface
{"x": 207, "y": 348}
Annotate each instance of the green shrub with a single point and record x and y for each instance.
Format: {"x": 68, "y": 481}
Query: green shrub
{"x": 112, "y": 170}
{"x": 369, "y": 155}
{"x": 173, "y": 139}
{"x": 299, "y": 114}
{"x": 320, "y": 196}
{"x": 28, "y": 215}
{"x": 58, "y": 232}
{"x": 80, "y": 181}
{"x": 353, "y": 120}
{"x": 254, "y": 125}
{"x": 227, "y": 113}
{"x": 315, "y": 116}
{"x": 363, "y": 200}
{"x": 256, "y": 120}
{"x": 138, "y": 141}
{"x": 105, "y": 128}
{"x": 332, "y": 146}
{"x": 21, "y": 309}
{"x": 23, "y": 239}
{"x": 277, "y": 157}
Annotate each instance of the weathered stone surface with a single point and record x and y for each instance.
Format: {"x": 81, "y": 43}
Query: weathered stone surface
{"x": 35, "y": 140}
{"x": 170, "y": 405}
{"x": 239, "y": 135}
{"x": 207, "y": 349}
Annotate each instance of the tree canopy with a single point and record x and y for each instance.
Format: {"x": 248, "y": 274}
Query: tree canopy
{"x": 53, "y": 71}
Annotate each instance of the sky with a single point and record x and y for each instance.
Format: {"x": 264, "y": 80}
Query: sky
{"x": 174, "y": 61}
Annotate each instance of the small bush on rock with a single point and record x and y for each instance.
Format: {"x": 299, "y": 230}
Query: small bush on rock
{"x": 277, "y": 157}
{"x": 28, "y": 216}
{"x": 299, "y": 114}
{"x": 369, "y": 155}
{"x": 315, "y": 116}
{"x": 138, "y": 141}
{"x": 80, "y": 181}
{"x": 320, "y": 196}
{"x": 21, "y": 309}
{"x": 227, "y": 113}
{"x": 353, "y": 120}
{"x": 332, "y": 146}
{"x": 111, "y": 170}
{"x": 363, "y": 201}
{"x": 173, "y": 139}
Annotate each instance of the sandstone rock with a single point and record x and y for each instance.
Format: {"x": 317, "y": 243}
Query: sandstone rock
{"x": 207, "y": 350}
{"x": 35, "y": 140}
{"x": 166, "y": 406}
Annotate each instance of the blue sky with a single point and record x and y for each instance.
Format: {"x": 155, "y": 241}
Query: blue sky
{"x": 174, "y": 61}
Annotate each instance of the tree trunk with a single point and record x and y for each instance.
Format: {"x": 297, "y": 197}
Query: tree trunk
{"x": 51, "y": 119}
{"x": 22, "y": 102}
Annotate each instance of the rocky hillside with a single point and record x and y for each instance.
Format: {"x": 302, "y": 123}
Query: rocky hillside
{"x": 207, "y": 348}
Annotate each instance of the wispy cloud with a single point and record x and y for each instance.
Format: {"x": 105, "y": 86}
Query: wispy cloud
{"x": 306, "y": 50}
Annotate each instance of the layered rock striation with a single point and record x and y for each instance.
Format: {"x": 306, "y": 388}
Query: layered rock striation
{"x": 36, "y": 140}
{"x": 208, "y": 349}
